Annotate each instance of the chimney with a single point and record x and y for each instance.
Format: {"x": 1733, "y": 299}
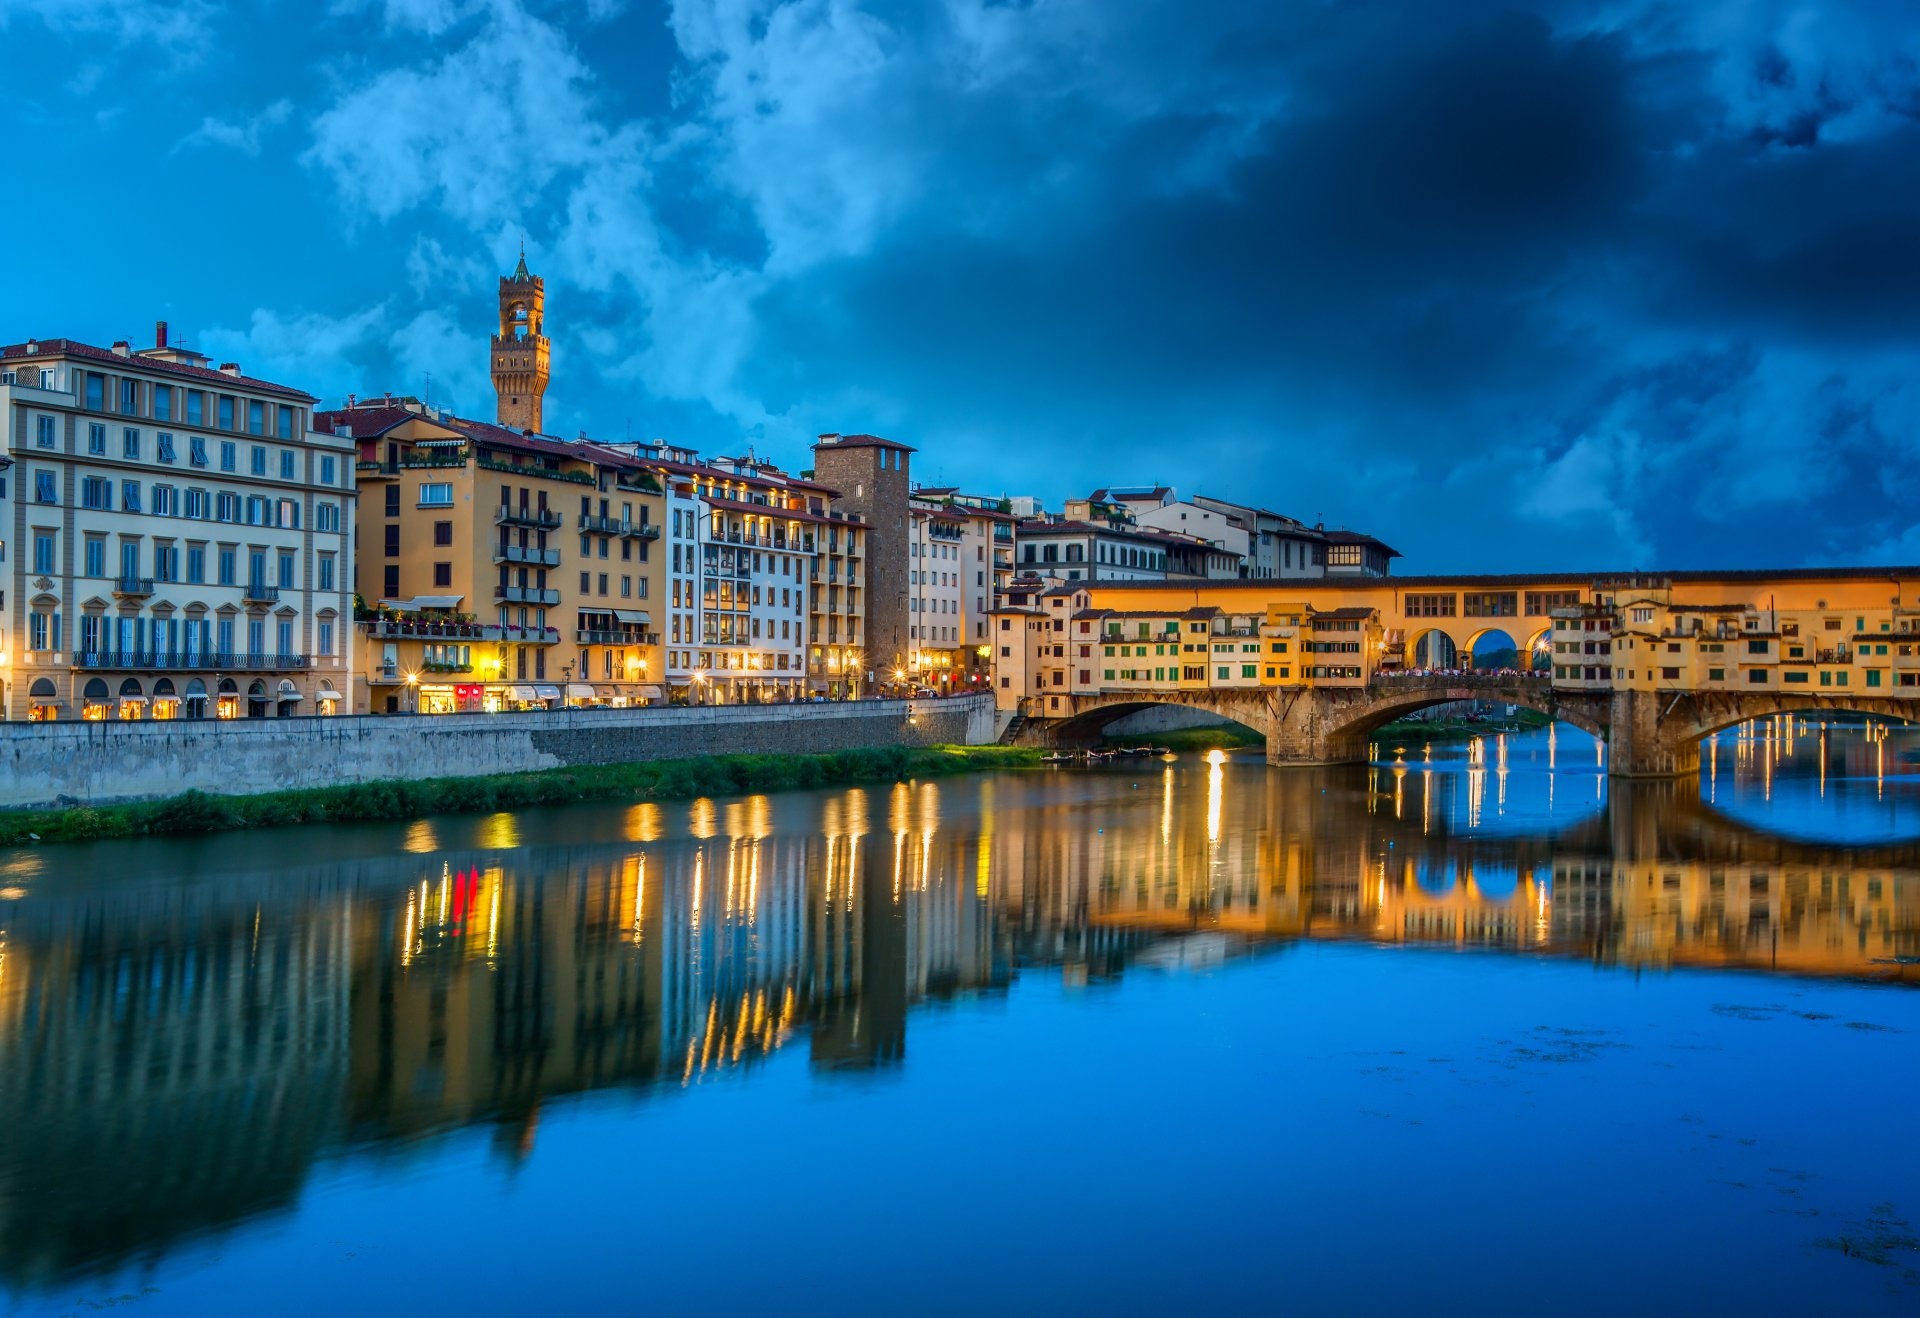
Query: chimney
{"x": 230, "y": 368}
{"x": 33, "y": 347}
{"x": 159, "y": 333}
{"x": 349, "y": 402}
{"x": 831, "y": 437}
{"x": 120, "y": 348}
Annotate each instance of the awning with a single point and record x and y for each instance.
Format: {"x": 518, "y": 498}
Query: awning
{"x": 132, "y": 700}
{"x": 638, "y": 617}
{"x": 650, "y": 693}
{"x": 521, "y": 693}
{"x": 288, "y": 696}
{"x": 328, "y": 693}
{"x": 579, "y": 691}
{"x": 1396, "y": 637}
{"x": 544, "y": 692}
{"x": 423, "y": 602}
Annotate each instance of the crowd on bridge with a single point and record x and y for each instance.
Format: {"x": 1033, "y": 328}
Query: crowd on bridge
{"x": 1391, "y": 673}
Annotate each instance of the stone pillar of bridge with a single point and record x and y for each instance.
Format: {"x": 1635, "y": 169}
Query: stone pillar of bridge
{"x": 1643, "y": 742}
{"x": 1301, "y": 728}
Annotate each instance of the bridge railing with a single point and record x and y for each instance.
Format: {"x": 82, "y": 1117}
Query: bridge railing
{"x": 1390, "y": 679}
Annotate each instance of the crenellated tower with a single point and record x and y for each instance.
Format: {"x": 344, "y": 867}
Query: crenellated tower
{"x": 520, "y": 350}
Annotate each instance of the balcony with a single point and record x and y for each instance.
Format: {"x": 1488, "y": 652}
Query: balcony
{"x": 424, "y": 629}
{"x": 180, "y": 660}
{"x": 595, "y": 636}
{"x": 531, "y": 557}
{"x": 133, "y": 588}
{"x": 543, "y": 518}
{"x": 537, "y": 473}
{"x": 255, "y": 592}
{"x": 525, "y": 595}
{"x": 620, "y": 527}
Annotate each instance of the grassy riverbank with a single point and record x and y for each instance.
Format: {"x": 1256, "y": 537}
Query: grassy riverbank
{"x": 653, "y": 780}
{"x": 1420, "y": 731}
{"x": 1226, "y": 737}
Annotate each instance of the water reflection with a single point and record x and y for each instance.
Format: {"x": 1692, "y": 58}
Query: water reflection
{"x": 185, "y": 1048}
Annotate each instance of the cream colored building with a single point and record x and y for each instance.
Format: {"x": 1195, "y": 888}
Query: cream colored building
{"x": 175, "y": 541}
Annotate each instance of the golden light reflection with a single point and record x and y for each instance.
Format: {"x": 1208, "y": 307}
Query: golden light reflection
{"x": 702, "y": 818}
{"x": 644, "y": 822}
{"x": 420, "y": 839}
{"x": 499, "y": 831}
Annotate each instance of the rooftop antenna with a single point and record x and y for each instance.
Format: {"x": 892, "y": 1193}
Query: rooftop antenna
{"x": 428, "y": 399}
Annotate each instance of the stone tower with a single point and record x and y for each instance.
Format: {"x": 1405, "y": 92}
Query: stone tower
{"x": 872, "y": 478}
{"x": 520, "y": 349}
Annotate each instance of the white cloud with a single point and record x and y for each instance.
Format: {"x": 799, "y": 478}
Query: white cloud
{"x": 242, "y": 136}
{"x": 182, "y": 28}
{"x": 443, "y": 361}
{"x": 310, "y": 351}
{"x": 479, "y": 133}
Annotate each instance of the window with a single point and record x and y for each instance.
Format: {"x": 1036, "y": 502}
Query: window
{"x": 443, "y": 533}
{"x": 393, "y": 501}
{"x": 328, "y": 474}
{"x": 43, "y": 432}
{"x": 163, "y": 402}
{"x": 326, "y": 517}
{"x": 44, "y": 488}
{"x": 226, "y": 506}
{"x": 324, "y": 637}
{"x": 436, "y": 494}
{"x": 326, "y": 572}
{"x": 393, "y": 541}
{"x": 443, "y": 574}
{"x": 1542, "y": 602}
{"x": 283, "y": 423}
{"x": 1491, "y": 604}
{"x": 130, "y": 496}
{"x": 283, "y": 635}
{"x": 390, "y": 583}
{"x": 229, "y": 455}
{"x": 228, "y": 562}
{"x": 96, "y": 439}
{"x": 1431, "y": 606}
{"x": 94, "y": 556}
{"x": 197, "y": 504}
{"x": 287, "y": 514}
{"x": 1756, "y": 675}
{"x": 256, "y": 417}
{"x": 130, "y": 444}
{"x": 96, "y": 492}
{"x": 1756, "y": 647}
{"x": 196, "y": 564}
{"x": 42, "y": 554}
{"x": 197, "y": 450}
{"x": 96, "y": 392}
{"x": 163, "y": 445}
{"x": 129, "y": 397}
{"x": 196, "y": 407}
{"x": 287, "y": 464}
{"x": 286, "y": 569}
{"x": 257, "y": 460}
{"x": 166, "y": 562}
{"x": 225, "y": 413}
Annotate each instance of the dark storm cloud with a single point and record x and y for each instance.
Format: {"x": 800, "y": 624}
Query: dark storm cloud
{"x": 1516, "y": 257}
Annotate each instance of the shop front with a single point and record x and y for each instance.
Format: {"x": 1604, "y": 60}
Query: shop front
{"x": 43, "y": 701}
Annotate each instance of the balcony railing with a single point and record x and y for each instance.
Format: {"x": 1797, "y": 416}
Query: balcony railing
{"x": 525, "y": 595}
{"x": 619, "y": 526}
{"x": 508, "y": 515}
{"x": 597, "y": 636}
{"x": 534, "y": 557}
{"x": 255, "y": 592}
{"x": 541, "y": 473}
{"x": 203, "y": 661}
{"x": 392, "y": 628}
{"x": 133, "y": 587}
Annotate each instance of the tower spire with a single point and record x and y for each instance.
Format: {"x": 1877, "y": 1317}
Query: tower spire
{"x": 521, "y": 350}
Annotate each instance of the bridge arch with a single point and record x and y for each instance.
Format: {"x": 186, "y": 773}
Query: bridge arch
{"x": 1489, "y": 644}
{"x": 1431, "y": 647}
{"x": 1352, "y": 725}
{"x": 1090, "y": 716}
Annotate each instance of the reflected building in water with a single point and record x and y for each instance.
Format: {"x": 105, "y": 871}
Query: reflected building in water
{"x": 184, "y": 1051}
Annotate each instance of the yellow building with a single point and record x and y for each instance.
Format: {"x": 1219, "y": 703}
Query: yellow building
{"x": 499, "y": 570}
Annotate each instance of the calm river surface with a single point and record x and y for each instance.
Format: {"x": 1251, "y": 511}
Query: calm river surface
{"x": 1470, "y": 1032}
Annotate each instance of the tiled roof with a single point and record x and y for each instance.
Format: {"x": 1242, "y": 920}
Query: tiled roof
{"x": 769, "y": 510}
{"x": 88, "y": 352}
{"x": 366, "y": 422}
{"x": 1354, "y": 612}
{"x": 1356, "y": 538}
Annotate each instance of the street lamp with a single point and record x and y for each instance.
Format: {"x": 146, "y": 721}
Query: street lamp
{"x": 413, "y": 691}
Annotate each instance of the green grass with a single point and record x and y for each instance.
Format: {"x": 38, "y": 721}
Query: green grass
{"x": 1425, "y": 730}
{"x": 652, "y": 780}
{"x": 1225, "y": 737}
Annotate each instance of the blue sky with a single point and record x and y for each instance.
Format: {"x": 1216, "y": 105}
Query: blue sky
{"x": 1616, "y": 283}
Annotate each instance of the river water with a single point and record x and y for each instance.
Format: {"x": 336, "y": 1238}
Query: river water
{"x": 1467, "y": 1030}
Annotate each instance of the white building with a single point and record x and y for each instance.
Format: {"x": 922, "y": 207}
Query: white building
{"x": 175, "y": 541}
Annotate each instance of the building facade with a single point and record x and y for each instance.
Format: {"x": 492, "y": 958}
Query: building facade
{"x": 871, "y": 480}
{"x": 174, "y": 539}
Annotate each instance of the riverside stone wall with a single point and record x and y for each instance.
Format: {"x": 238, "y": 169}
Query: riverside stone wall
{"x": 98, "y": 763}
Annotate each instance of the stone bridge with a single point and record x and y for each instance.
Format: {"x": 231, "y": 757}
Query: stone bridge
{"x": 1649, "y": 734}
